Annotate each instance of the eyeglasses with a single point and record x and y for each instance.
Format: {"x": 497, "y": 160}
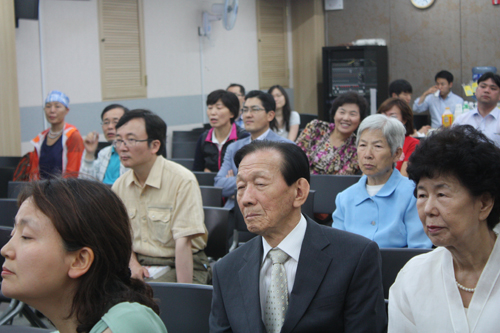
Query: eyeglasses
{"x": 107, "y": 122}
{"x": 128, "y": 142}
{"x": 254, "y": 109}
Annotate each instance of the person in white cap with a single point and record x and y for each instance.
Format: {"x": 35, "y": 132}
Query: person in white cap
{"x": 58, "y": 149}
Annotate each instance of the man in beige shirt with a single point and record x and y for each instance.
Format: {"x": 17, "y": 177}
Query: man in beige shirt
{"x": 163, "y": 201}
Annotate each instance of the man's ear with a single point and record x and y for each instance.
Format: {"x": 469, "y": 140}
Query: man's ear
{"x": 155, "y": 146}
{"x": 81, "y": 262}
{"x": 270, "y": 116}
{"x": 301, "y": 193}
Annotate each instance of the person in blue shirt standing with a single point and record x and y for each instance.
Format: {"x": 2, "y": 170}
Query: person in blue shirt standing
{"x": 438, "y": 104}
{"x": 107, "y": 167}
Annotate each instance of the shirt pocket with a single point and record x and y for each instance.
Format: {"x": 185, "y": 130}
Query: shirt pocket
{"x": 132, "y": 216}
{"x": 160, "y": 224}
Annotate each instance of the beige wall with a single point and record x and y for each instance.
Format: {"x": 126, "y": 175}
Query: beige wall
{"x": 308, "y": 39}
{"x": 455, "y": 35}
{"x": 9, "y": 104}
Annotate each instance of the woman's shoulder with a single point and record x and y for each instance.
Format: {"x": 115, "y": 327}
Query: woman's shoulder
{"x": 129, "y": 317}
{"x": 294, "y": 118}
{"x": 424, "y": 263}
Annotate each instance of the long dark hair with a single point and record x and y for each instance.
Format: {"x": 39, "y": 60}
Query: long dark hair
{"x": 87, "y": 213}
{"x": 287, "y": 109}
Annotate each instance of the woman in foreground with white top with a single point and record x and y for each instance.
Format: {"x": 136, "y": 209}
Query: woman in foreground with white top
{"x": 456, "y": 287}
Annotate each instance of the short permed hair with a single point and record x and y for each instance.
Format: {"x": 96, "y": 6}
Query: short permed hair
{"x": 464, "y": 153}
{"x": 350, "y": 97}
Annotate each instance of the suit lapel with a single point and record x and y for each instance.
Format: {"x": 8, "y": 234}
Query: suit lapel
{"x": 249, "y": 283}
{"x": 312, "y": 267}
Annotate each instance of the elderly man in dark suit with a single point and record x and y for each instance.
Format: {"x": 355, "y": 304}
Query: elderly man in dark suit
{"x": 298, "y": 276}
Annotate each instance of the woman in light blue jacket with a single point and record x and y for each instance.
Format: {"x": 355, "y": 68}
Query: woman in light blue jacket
{"x": 381, "y": 206}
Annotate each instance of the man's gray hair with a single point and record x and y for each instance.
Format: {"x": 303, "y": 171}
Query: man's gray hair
{"x": 392, "y": 129}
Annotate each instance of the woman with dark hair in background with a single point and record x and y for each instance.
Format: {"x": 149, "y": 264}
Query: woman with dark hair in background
{"x": 69, "y": 258}
{"x": 456, "y": 287}
{"x": 223, "y": 108}
{"x": 399, "y": 109}
{"x": 288, "y": 120}
{"x": 331, "y": 147}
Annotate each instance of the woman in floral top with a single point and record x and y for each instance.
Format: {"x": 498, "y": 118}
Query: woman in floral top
{"x": 331, "y": 147}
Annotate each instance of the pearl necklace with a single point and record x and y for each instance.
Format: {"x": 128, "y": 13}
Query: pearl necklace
{"x": 54, "y": 135}
{"x": 469, "y": 290}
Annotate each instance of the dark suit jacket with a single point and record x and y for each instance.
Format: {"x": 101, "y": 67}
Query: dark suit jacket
{"x": 337, "y": 288}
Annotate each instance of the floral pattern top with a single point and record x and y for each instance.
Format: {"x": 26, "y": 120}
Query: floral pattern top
{"x": 324, "y": 158}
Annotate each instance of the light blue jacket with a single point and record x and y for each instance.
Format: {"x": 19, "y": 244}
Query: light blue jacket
{"x": 228, "y": 184}
{"x": 389, "y": 218}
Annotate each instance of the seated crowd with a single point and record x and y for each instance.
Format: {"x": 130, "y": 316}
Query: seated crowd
{"x": 297, "y": 275}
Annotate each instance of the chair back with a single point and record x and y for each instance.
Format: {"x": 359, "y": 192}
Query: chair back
{"x": 205, "y": 178}
{"x": 211, "y": 196}
{"x": 183, "y": 149}
{"x": 393, "y": 259}
{"x": 327, "y": 187}
{"x": 6, "y": 175}
{"x": 8, "y": 211}
{"x": 186, "y": 136}
{"x": 217, "y": 222}
{"x": 185, "y": 162}
{"x": 15, "y": 188}
{"x": 306, "y": 119}
{"x": 9, "y": 161}
{"x": 184, "y": 307}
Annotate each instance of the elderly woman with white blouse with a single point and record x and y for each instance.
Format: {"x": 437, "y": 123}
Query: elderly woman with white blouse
{"x": 456, "y": 287}
{"x": 381, "y": 205}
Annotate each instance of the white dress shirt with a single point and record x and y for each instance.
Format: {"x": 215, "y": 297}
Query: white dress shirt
{"x": 489, "y": 125}
{"x": 436, "y": 106}
{"x": 291, "y": 245}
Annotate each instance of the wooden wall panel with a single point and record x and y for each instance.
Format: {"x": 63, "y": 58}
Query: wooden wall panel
{"x": 423, "y": 42}
{"x": 480, "y": 30}
{"x": 455, "y": 35}
{"x": 10, "y": 128}
{"x": 308, "y": 38}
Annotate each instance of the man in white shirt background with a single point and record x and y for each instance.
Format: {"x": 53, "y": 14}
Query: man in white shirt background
{"x": 437, "y": 104}
{"x": 486, "y": 116}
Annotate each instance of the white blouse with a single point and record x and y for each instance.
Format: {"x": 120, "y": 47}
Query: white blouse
{"x": 425, "y": 297}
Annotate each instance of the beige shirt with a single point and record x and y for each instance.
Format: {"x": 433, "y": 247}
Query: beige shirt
{"x": 166, "y": 208}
